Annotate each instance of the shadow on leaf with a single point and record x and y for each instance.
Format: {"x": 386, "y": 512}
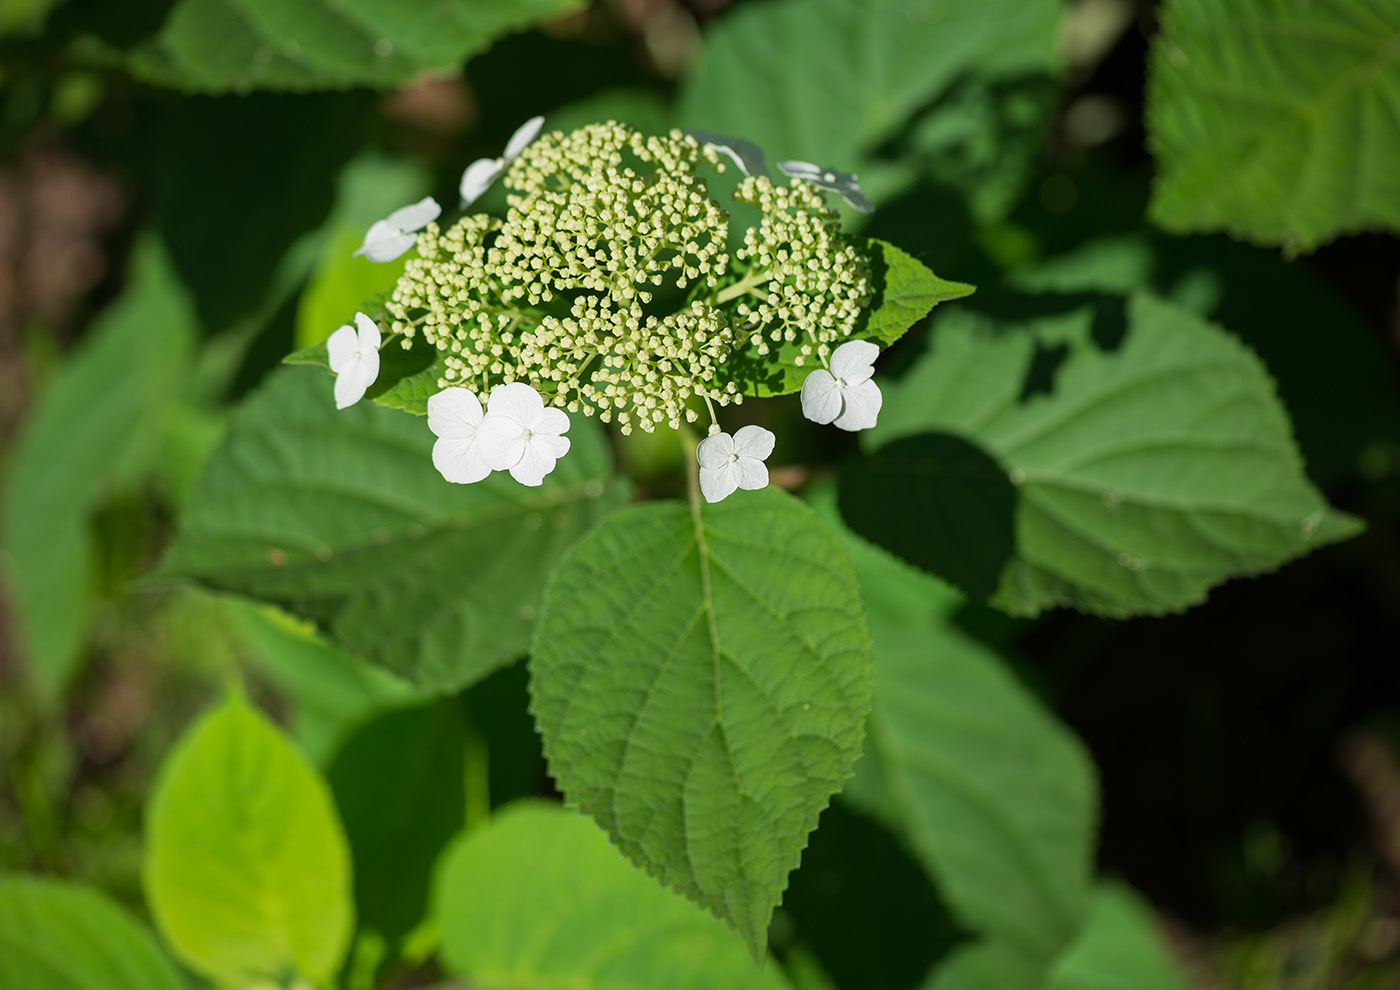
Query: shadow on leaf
{"x": 940, "y": 503}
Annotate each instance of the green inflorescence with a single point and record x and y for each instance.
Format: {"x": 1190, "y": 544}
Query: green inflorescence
{"x": 610, "y": 287}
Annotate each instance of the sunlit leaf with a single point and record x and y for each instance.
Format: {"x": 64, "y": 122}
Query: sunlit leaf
{"x": 340, "y": 517}
{"x": 246, "y": 869}
{"x": 996, "y": 798}
{"x": 223, "y": 45}
{"x": 1121, "y": 945}
{"x": 701, "y": 678}
{"x": 1149, "y": 457}
{"x": 63, "y": 936}
{"x": 540, "y": 898}
{"x": 1277, "y": 121}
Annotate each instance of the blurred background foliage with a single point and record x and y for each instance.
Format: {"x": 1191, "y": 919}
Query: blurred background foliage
{"x": 182, "y": 183}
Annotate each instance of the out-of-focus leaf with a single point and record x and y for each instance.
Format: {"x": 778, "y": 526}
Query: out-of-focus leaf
{"x": 236, "y": 181}
{"x": 94, "y": 429}
{"x": 996, "y": 798}
{"x": 827, "y": 81}
{"x": 329, "y": 692}
{"x": 701, "y": 677}
{"x": 220, "y": 46}
{"x": 340, "y": 517}
{"x": 64, "y": 936}
{"x": 246, "y": 869}
{"x": 1119, "y": 946}
{"x": 400, "y": 785}
{"x": 1276, "y": 120}
{"x": 1150, "y": 458}
{"x": 540, "y": 898}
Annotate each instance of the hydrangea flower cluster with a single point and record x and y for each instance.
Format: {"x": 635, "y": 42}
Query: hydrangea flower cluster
{"x": 610, "y": 288}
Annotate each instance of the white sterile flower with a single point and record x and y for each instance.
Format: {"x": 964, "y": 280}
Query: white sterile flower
{"x": 521, "y": 435}
{"x": 846, "y": 395}
{"x": 454, "y": 416}
{"x": 744, "y": 154}
{"x": 354, "y": 358}
{"x": 481, "y": 173}
{"x": 392, "y": 236}
{"x": 727, "y": 463}
{"x": 844, "y": 183}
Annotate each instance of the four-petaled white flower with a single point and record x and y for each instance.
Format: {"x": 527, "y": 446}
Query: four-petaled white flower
{"x": 520, "y": 434}
{"x": 844, "y": 183}
{"x": 727, "y": 463}
{"x": 454, "y": 416}
{"x": 845, "y": 395}
{"x": 392, "y": 236}
{"x": 744, "y": 154}
{"x": 481, "y": 173}
{"x": 354, "y": 357}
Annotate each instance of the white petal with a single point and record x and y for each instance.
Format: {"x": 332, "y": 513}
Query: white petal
{"x": 557, "y": 447}
{"x": 341, "y": 347}
{"x": 459, "y": 460}
{"x": 521, "y": 139}
{"x": 862, "y": 406}
{"x": 416, "y": 216}
{"x": 753, "y": 473}
{"x": 800, "y": 170}
{"x": 550, "y": 420}
{"x": 350, "y": 386}
{"x": 478, "y": 178}
{"x": 718, "y": 483}
{"x": 713, "y": 453}
{"x": 501, "y": 441}
{"x": 368, "y": 367}
{"x": 821, "y": 397}
{"x": 745, "y": 154}
{"x": 454, "y": 413}
{"x": 385, "y": 243}
{"x": 754, "y": 441}
{"x": 369, "y": 333}
{"x": 856, "y": 199}
{"x": 854, "y": 361}
{"x": 517, "y": 402}
{"x": 536, "y": 462}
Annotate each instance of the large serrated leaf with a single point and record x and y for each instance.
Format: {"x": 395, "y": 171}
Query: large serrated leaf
{"x": 1276, "y": 120}
{"x": 995, "y": 797}
{"x": 701, "y": 678}
{"x": 539, "y": 898}
{"x": 246, "y": 868}
{"x": 62, "y": 936}
{"x": 340, "y": 517}
{"x": 1149, "y": 456}
{"x": 826, "y": 81}
{"x": 222, "y": 45}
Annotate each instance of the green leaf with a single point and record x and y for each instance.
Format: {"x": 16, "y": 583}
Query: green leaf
{"x": 327, "y": 691}
{"x": 219, "y": 46}
{"x": 828, "y": 80}
{"x": 1275, "y": 120}
{"x": 539, "y": 898}
{"x": 904, "y": 291}
{"x": 95, "y": 428}
{"x": 246, "y": 869}
{"x": 996, "y": 798}
{"x": 64, "y": 936}
{"x": 400, "y": 785}
{"x": 1120, "y": 946}
{"x": 1149, "y": 455}
{"x": 340, "y": 517}
{"x": 701, "y": 678}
